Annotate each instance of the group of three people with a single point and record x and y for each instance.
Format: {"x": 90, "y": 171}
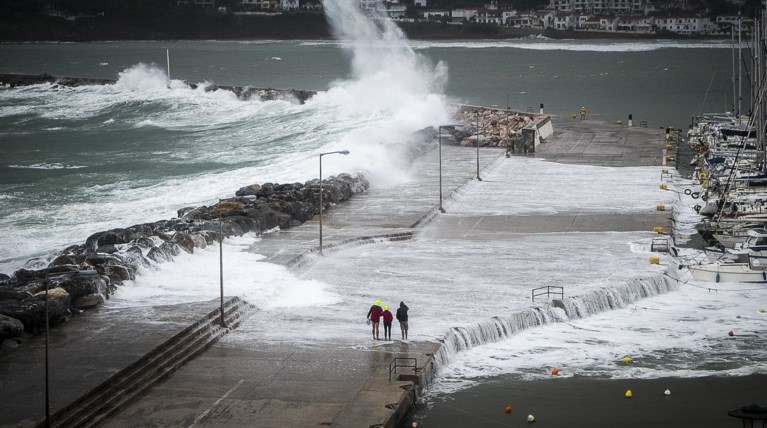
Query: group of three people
{"x": 376, "y": 313}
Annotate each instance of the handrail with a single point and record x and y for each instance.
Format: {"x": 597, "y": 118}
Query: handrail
{"x": 395, "y": 363}
{"x": 549, "y": 290}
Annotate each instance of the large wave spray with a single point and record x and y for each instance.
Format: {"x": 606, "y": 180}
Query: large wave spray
{"x": 396, "y": 90}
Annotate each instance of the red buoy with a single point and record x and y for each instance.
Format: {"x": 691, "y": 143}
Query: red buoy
{"x": 731, "y": 333}
{"x": 508, "y": 409}
{"x": 555, "y": 372}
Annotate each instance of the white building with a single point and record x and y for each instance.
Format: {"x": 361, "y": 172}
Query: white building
{"x": 420, "y": 3}
{"x": 435, "y": 14}
{"x": 687, "y": 24}
{"x": 463, "y": 15}
{"x": 289, "y": 4}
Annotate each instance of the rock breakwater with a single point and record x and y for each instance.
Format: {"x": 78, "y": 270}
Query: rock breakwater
{"x": 242, "y": 92}
{"x": 83, "y": 276}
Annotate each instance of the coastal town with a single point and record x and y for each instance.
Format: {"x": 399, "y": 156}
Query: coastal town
{"x": 286, "y": 19}
{"x": 679, "y": 17}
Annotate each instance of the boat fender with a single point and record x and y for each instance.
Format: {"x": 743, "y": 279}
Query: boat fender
{"x": 687, "y": 191}
{"x": 696, "y": 208}
{"x": 695, "y": 195}
{"x": 764, "y": 276}
{"x": 704, "y": 197}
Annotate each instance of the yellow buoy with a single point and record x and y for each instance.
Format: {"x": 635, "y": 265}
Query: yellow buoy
{"x": 663, "y": 187}
{"x": 629, "y": 394}
{"x": 655, "y": 260}
{"x": 661, "y": 208}
{"x": 761, "y": 311}
{"x": 664, "y": 171}
{"x": 702, "y": 175}
{"x": 657, "y": 229}
{"x": 626, "y": 360}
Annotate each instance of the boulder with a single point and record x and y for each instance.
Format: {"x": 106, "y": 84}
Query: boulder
{"x": 9, "y": 293}
{"x": 253, "y": 189}
{"x": 184, "y": 241}
{"x": 10, "y": 328}
{"x": 81, "y": 285}
{"x": 109, "y": 237}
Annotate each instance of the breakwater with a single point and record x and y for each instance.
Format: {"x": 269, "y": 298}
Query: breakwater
{"x": 83, "y": 276}
{"x": 242, "y": 92}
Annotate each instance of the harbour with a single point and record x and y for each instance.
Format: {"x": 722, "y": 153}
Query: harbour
{"x": 543, "y": 253}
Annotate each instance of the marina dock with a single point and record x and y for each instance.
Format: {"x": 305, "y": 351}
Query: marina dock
{"x": 272, "y": 384}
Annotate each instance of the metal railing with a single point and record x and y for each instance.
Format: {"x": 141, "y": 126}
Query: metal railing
{"x": 548, "y": 291}
{"x": 395, "y": 364}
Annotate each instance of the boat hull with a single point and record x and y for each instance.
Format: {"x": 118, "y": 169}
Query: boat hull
{"x": 727, "y": 272}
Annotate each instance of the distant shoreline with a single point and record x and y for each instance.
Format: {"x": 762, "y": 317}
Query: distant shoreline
{"x": 302, "y": 26}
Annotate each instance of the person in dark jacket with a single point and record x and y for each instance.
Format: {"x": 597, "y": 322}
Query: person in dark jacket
{"x": 387, "y": 319}
{"x": 402, "y": 318}
{"x": 374, "y": 317}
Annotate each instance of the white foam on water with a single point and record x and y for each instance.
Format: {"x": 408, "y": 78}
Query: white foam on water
{"x": 519, "y": 185}
{"x": 545, "y": 44}
{"x": 371, "y": 113}
{"x": 679, "y": 334}
{"x": 195, "y": 277}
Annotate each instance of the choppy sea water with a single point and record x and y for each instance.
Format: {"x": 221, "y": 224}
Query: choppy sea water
{"x": 78, "y": 160}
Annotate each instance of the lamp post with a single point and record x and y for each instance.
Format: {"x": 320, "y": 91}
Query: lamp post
{"x": 478, "y": 134}
{"x": 439, "y": 133}
{"x": 507, "y": 101}
{"x": 341, "y": 152}
{"x": 47, "y": 388}
{"x": 221, "y": 261}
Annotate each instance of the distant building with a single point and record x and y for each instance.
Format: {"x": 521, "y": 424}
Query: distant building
{"x": 463, "y": 15}
{"x": 685, "y": 24}
{"x": 435, "y": 14}
{"x": 289, "y": 4}
{"x": 419, "y": 3}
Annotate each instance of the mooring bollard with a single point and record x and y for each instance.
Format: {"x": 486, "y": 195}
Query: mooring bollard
{"x": 541, "y": 111}
{"x": 631, "y": 120}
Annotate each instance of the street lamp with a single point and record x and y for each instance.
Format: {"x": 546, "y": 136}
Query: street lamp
{"x": 341, "y": 152}
{"x": 439, "y": 132}
{"x": 47, "y": 389}
{"x": 478, "y": 133}
{"x": 507, "y": 101}
{"x": 221, "y": 261}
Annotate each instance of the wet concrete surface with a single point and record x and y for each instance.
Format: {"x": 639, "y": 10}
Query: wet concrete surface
{"x": 241, "y": 381}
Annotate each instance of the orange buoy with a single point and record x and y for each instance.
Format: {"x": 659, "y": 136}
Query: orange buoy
{"x": 555, "y": 372}
{"x": 508, "y": 409}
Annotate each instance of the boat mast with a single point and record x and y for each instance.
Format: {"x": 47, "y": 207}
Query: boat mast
{"x": 167, "y": 59}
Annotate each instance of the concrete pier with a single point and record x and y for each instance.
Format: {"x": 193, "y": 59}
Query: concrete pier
{"x": 242, "y": 381}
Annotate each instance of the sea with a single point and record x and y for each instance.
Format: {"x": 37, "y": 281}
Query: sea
{"x": 74, "y": 161}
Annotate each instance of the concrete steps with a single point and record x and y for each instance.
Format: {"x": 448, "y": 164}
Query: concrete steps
{"x": 95, "y": 407}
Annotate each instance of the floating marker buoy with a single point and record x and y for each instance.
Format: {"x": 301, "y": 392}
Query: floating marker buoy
{"x": 507, "y": 409}
{"x": 657, "y": 229}
{"x": 629, "y": 394}
{"x": 761, "y": 311}
{"x": 731, "y": 333}
{"x": 664, "y": 171}
{"x": 667, "y": 392}
{"x": 661, "y": 208}
{"x": 555, "y": 372}
{"x": 530, "y": 418}
{"x": 655, "y": 260}
{"x": 626, "y": 360}
{"x": 663, "y": 187}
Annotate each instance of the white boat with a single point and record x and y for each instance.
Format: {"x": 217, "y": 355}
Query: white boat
{"x": 727, "y": 272}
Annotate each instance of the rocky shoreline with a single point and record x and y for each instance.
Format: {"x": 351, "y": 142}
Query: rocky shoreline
{"x": 85, "y": 275}
{"x": 243, "y": 92}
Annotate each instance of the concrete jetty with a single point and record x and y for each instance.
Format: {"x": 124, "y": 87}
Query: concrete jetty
{"x": 244, "y": 381}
